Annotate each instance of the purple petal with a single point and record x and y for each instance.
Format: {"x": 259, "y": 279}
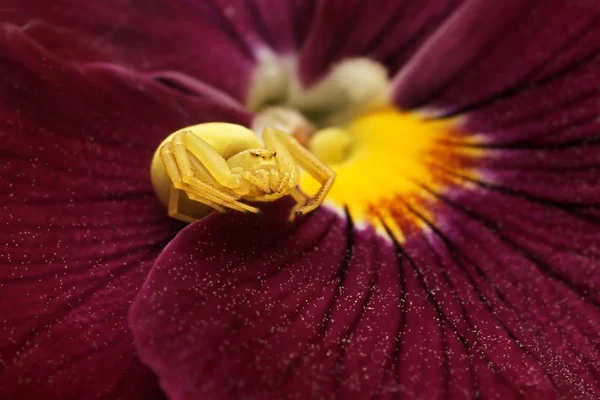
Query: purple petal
{"x": 81, "y": 226}
{"x": 538, "y": 271}
{"x": 491, "y": 49}
{"x": 216, "y": 42}
{"x": 387, "y": 31}
{"x": 235, "y": 307}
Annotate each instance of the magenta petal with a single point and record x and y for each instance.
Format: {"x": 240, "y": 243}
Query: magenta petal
{"x": 215, "y": 42}
{"x": 490, "y": 49}
{"x": 240, "y": 308}
{"x": 80, "y": 224}
{"x": 387, "y": 31}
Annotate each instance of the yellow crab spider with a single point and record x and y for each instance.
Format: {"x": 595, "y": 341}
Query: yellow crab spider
{"x": 217, "y": 165}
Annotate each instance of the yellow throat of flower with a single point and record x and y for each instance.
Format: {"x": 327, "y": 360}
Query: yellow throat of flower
{"x": 388, "y": 163}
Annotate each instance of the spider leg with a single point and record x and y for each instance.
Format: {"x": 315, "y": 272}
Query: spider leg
{"x": 196, "y": 189}
{"x": 173, "y": 209}
{"x": 301, "y": 200}
{"x": 289, "y": 151}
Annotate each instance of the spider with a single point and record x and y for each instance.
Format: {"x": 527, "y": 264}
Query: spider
{"x": 220, "y": 164}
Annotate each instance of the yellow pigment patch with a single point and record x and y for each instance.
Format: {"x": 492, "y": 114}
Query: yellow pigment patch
{"x": 391, "y": 157}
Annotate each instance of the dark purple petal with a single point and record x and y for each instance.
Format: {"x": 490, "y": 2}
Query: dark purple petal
{"x": 387, "y": 31}
{"x": 537, "y": 268}
{"x": 215, "y": 42}
{"x": 150, "y": 36}
{"x": 491, "y": 49}
{"x": 80, "y": 224}
{"x": 481, "y": 306}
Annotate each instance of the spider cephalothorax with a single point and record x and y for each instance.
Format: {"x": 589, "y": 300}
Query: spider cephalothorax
{"x": 219, "y": 164}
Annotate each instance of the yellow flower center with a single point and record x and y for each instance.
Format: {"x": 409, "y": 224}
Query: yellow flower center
{"x": 388, "y": 164}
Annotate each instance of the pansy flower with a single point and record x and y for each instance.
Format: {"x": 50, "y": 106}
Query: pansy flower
{"x": 456, "y": 257}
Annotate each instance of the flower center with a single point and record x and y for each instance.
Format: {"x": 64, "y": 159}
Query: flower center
{"x": 389, "y": 164}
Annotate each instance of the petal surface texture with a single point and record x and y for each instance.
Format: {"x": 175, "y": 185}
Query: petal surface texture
{"x": 236, "y": 307}
{"x": 81, "y": 226}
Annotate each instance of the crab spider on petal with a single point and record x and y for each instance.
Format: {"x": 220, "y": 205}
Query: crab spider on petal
{"x": 219, "y": 166}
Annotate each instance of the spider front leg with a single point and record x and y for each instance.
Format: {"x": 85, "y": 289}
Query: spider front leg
{"x": 290, "y": 152}
{"x": 301, "y": 200}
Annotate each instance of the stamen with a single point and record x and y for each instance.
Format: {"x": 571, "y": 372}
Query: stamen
{"x": 331, "y": 145}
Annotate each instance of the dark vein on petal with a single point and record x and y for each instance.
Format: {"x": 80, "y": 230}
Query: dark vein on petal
{"x": 401, "y": 329}
{"x": 480, "y": 273}
{"x": 340, "y": 276}
{"x": 431, "y": 299}
{"x": 529, "y": 143}
{"x": 593, "y": 168}
{"x": 555, "y": 109}
{"x": 403, "y": 255}
{"x": 568, "y": 207}
{"x": 464, "y": 313}
{"x": 518, "y": 229}
{"x": 511, "y": 278}
{"x": 452, "y": 250}
{"x": 586, "y": 142}
{"x": 584, "y": 292}
{"x": 339, "y": 366}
